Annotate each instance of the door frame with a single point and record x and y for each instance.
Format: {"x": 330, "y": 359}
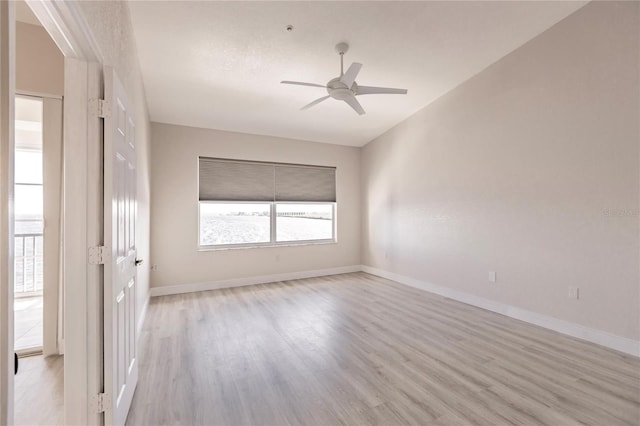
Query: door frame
{"x": 83, "y": 210}
{"x": 7, "y": 91}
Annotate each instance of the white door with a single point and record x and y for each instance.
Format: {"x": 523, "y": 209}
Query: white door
{"x": 120, "y": 361}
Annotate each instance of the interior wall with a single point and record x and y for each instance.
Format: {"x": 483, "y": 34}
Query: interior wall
{"x": 174, "y": 219}
{"x": 39, "y": 62}
{"x": 529, "y": 169}
{"x": 110, "y": 24}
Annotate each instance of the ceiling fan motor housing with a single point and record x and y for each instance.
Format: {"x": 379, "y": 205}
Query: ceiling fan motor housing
{"x": 342, "y": 47}
{"x": 338, "y": 90}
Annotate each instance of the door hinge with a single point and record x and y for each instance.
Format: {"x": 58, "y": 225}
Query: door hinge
{"x": 98, "y": 255}
{"x": 101, "y": 402}
{"x": 100, "y": 108}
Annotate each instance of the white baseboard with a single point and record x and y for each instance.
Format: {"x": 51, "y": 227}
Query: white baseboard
{"x": 239, "y": 282}
{"x": 622, "y": 344}
{"x": 143, "y": 313}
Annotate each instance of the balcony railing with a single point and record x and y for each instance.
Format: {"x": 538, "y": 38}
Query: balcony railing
{"x": 29, "y": 264}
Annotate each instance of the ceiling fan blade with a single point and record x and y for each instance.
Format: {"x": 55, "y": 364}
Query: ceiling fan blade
{"x": 353, "y": 103}
{"x": 301, "y": 83}
{"x": 317, "y": 101}
{"x": 370, "y": 90}
{"x": 350, "y": 76}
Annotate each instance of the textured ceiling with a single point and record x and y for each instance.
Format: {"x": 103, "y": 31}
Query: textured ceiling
{"x": 219, "y": 64}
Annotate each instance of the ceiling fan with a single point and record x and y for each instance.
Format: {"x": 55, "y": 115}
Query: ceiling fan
{"x": 345, "y": 88}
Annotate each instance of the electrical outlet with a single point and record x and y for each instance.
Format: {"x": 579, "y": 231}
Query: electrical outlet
{"x": 154, "y": 267}
{"x": 492, "y": 277}
{"x": 574, "y": 293}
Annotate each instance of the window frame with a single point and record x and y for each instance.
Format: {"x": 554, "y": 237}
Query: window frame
{"x": 272, "y": 227}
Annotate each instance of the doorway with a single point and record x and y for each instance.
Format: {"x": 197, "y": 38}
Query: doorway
{"x": 28, "y": 227}
{"x": 37, "y": 187}
{"x": 38, "y": 285}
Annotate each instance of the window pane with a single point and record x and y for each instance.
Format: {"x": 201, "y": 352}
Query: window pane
{"x": 28, "y": 166}
{"x": 226, "y": 223}
{"x": 28, "y": 202}
{"x": 304, "y": 222}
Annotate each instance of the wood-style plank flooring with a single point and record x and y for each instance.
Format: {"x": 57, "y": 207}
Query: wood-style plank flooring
{"x": 39, "y": 391}
{"x": 356, "y": 349}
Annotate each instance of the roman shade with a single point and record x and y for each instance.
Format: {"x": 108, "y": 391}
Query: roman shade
{"x": 235, "y": 180}
{"x": 222, "y": 180}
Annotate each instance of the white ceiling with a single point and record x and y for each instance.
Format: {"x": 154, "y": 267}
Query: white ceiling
{"x": 219, "y": 64}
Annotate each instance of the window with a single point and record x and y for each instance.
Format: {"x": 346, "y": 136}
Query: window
{"x": 245, "y": 203}
{"x": 28, "y": 189}
{"x": 28, "y": 201}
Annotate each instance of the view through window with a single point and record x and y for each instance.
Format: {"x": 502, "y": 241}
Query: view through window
{"x": 222, "y": 223}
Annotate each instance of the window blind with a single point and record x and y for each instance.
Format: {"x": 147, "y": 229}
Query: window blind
{"x": 222, "y": 180}
{"x": 236, "y": 180}
{"x": 295, "y": 183}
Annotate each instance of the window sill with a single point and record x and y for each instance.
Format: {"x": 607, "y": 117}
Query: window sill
{"x": 266, "y": 245}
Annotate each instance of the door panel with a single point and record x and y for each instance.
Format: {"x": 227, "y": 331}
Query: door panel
{"x": 131, "y": 331}
{"x": 121, "y": 368}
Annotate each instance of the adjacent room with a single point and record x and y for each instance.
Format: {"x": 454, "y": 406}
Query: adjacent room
{"x": 38, "y": 307}
{"x": 332, "y": 213}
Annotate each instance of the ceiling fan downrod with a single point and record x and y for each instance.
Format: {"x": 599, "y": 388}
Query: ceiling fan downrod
{"x": 342, "y": 48}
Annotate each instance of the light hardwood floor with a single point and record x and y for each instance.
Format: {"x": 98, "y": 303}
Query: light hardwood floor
{"x": 357, "y": 349}
{"x": 39, "y": 391}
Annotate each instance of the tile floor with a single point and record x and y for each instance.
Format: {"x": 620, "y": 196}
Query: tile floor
{"x": 28, "y": 322}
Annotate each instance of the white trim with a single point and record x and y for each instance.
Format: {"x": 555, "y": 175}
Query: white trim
{"x": 612, "y": 341}
{"x": 7, "y": 93}
{"x": 94, "y": 237}
{"x": 75, "y": 220}
{"x": 261, "y": 279}
{"x": 29, "y": 93}
{"x": 52, "y": 124}
{"x": 68, "y": 29}
{"x": 250, "y": 246}
{"x": 143, "y": 313}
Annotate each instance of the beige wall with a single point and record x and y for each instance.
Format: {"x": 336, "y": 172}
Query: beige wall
{"x": 39, "y": 62}
{"x": 530, "y": 169}
{"x": 174, "y": 221}
{"x": 110, "y": 24}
